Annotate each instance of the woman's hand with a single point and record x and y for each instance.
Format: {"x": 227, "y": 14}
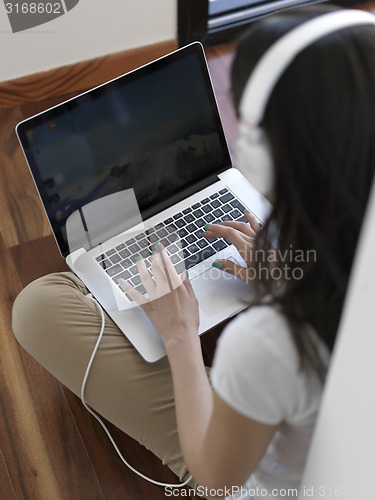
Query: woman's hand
{"x": 242, "y": 235}
{"x": 171, "y": 304}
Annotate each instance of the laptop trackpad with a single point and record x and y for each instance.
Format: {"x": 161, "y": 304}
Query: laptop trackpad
{"x": 217, "y": 290}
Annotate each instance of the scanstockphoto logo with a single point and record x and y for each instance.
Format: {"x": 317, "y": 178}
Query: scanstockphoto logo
{"x": 26, "y": 14}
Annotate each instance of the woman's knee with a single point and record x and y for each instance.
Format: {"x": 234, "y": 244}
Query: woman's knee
{"x": 36, "y": 310}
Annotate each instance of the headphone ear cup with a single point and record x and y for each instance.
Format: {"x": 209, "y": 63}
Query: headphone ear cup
{"x": 254, "y": 158}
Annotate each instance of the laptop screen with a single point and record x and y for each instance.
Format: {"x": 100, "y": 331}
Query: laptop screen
{"x": 155, "y": 130}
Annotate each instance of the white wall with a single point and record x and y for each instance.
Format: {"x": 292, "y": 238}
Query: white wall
{"x": 342, "y": 456}
{"x": 92, "y": 28}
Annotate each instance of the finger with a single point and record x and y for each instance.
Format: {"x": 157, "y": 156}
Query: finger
{"x": 252, "y": 221}
{"x": 169, "y": 269}
{"x": 145, "y": 276}
{"x": 132, "y": 292}
{"x": 230, "y": 267}
{"x": 158, "y": 269}
{"x": 228, "y": 232}
{"x": 187, "y": 284}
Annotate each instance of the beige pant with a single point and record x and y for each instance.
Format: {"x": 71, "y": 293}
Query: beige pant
{"x": 58, "y": 326}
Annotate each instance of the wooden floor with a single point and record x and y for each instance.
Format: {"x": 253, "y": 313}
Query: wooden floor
{"x": 50, "y": 447}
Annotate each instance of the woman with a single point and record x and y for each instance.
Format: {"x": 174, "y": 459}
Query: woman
{"x": 253, "y": 423}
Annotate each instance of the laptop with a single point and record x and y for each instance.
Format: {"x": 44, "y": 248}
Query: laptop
{"x": 139, "y": 160}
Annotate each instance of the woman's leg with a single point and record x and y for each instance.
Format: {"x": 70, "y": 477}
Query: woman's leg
{"x": 58, "y": 326}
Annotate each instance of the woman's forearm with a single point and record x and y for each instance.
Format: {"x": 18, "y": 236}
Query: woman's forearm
{"x": 193, "y": 396}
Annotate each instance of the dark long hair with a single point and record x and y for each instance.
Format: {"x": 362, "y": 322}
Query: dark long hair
{"x": 320, "y": 121}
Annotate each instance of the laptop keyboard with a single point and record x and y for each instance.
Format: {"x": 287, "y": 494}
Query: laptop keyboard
{"x": 181, "y": 235}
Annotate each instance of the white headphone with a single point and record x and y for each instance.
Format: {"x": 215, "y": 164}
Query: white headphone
{"x": 254, "y": 158}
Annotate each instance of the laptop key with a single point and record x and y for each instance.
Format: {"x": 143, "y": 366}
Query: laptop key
{"x": 186, "y": 211}
{"x": 218, "y": 212}
{"x": 189, "y": 218}
{"x": 124, "y": 253}
{"x": 177, "y": 216}
{"x": 153, "y": 237}
{"x": 193, "y": 248}
{"x": 171, "y": 228}
{"x": 226, "y": 197}
{"x": 237, "y": 204}
{"x": 136, "y": 280}
{"x": 120, "y": 247}
{"x": 175, "y": 258}
{"x": 105, "y": 263}
{"x": 198, "y": 257}
{"x": 143, "y": 243}
{"x": 110, "y": 252}
{"x": 196, "y": 205}
{"x": 126, "y": 263}
{"x": 134, "y": 270}
{"x": 214, "y": 195}
{"x": 168, "y": 221}
{"x": 222, "y": 191}
{"x": 159, "y": 226}
{"x": 173, "y": 237}
{"x": 206, "y": 200}
{"x": 182, "y": 232}
{"x": 134, "y": 248}
{"x": 112, "y": 271}
{"x": 191, "y": 228}
{"x": 130, "y": 241}
{"x": 164, "y": 242}
{"x": 124, "y": 275}
{"x": 209, "y": 218}
{"x": 140, "y": 236}
{"x": 115, "y": 258}
{"x": 145, "y": 253}
{"x": 219, "y": 245}
{"x": 141, "y": 289}
{"x": 173, "y": 249}
{"x": 199, "y": 233}
{"x": 200, "y": 222}
{"x": 191, "y": 238}
{"x": 207, "y": 208}
{"x": 180, "y": 267}
{"x": 235, "y": 214}
{"x": 216, "y": 203}
{"x": 202, "y": 243}
{"x": 226, "y": 208}
{"x": 162, "y": 233}
{"x": 180, "y": 222}
{"x": 198, "y": 213}
{"x": 100, "y": 257}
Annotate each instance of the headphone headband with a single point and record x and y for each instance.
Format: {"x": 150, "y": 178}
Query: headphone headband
{"x": 279, "y": 56}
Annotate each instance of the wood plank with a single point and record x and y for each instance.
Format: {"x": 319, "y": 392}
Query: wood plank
{"x": 22, "y": 215}
{"x": 116, "y": 480}
{"x": 37, "y": 258}
{"x": 77, "y": 77}
{"x": 42, "y": 449}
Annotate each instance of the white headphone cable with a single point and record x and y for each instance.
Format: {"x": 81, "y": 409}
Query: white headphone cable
{"x": 178, "y": 485}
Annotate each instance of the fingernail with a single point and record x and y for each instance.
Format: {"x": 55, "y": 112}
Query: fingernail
{"x": 207, "y": 225}
{"x": 248, "y": 211}
{"x": 217, "y": 264}
{"x": 138, "y": 258}
{"x": 121, "y": 281}
{"x": 157, "y": 243}
{"x": 153, "y": 252}
{"x": 204, "y": 232}
{"x": 186, "y": 272}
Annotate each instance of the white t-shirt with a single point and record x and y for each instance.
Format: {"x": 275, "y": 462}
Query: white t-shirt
{"x": 256, "y": 372}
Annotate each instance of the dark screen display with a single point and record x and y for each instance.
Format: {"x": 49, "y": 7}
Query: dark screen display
{"x": 155, "y": 130}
